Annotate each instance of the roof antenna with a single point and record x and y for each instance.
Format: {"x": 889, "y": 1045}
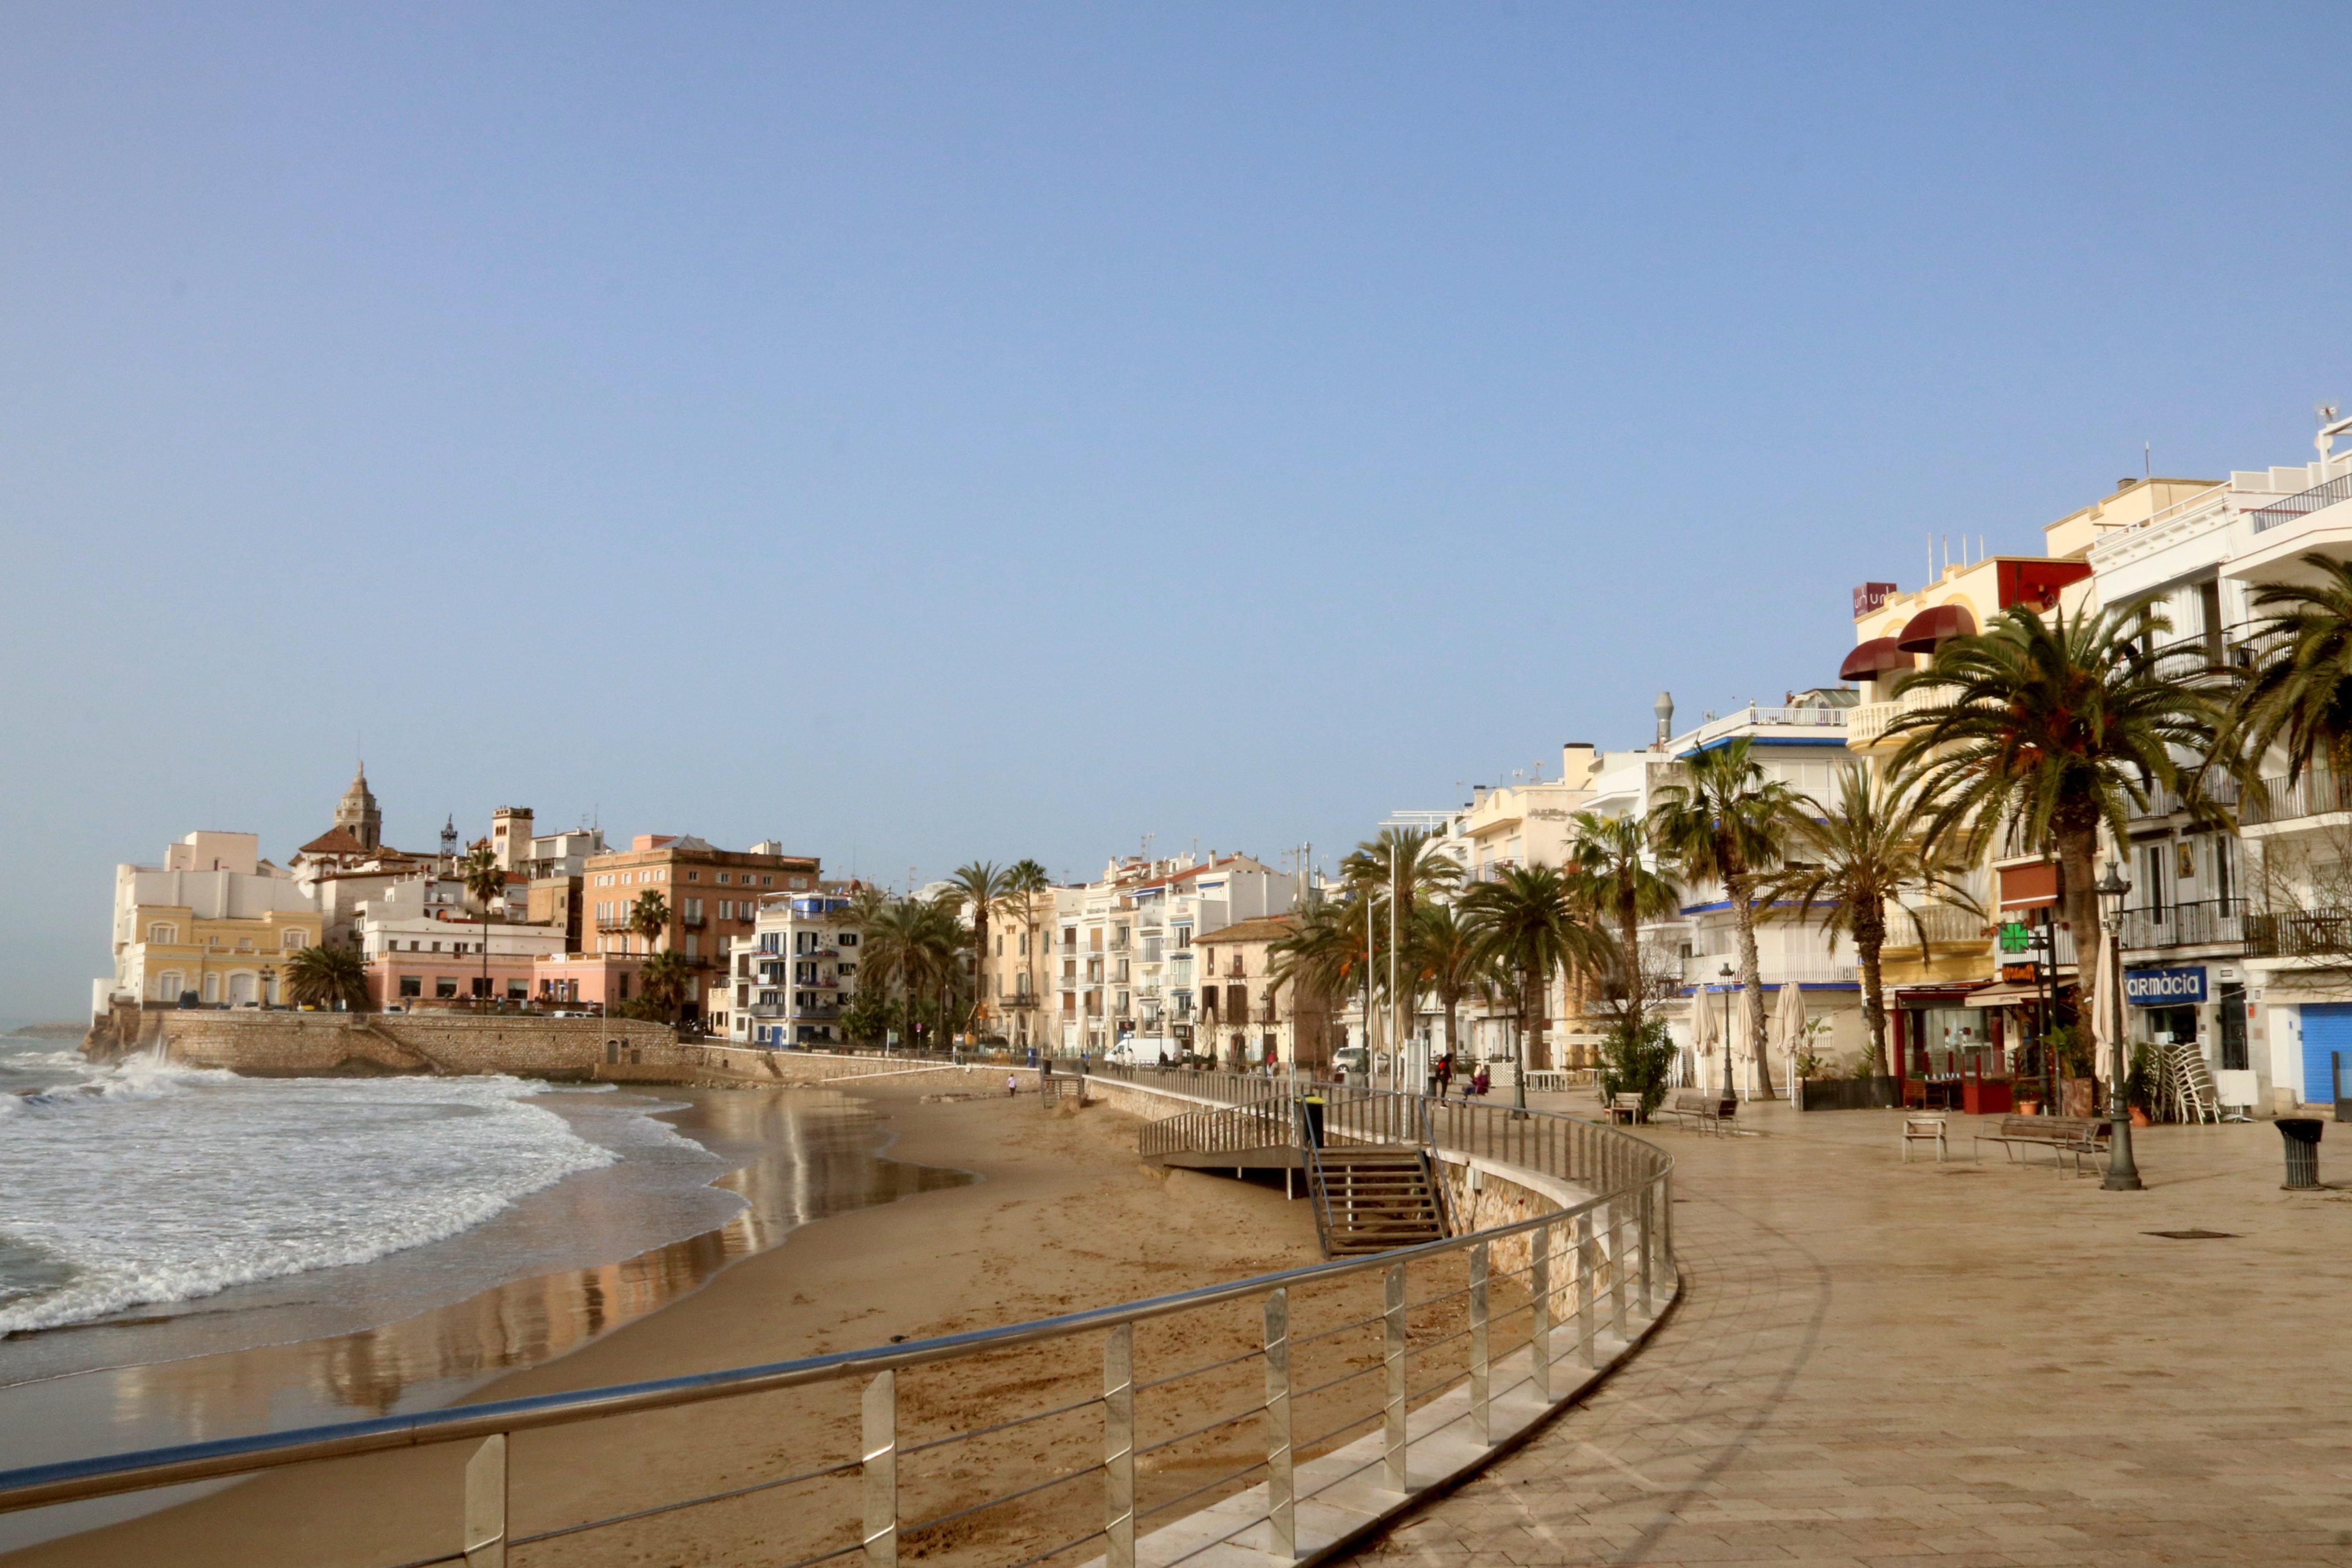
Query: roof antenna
{"x": 2147, "y": 461}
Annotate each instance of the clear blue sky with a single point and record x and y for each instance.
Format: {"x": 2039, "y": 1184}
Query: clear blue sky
{"x": 927, "y": 433}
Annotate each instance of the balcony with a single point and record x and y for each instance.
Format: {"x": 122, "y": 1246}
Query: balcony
{"x": 1940, "y": 924}
{"x": 2319, "y": 498}
{"x": 2316, "y": 793}
{"x": 2185, "y": 925}
{"x": 1867, "y": 724}
{"x": 2163, "y": 801}
{"x": 2300, "y": 933}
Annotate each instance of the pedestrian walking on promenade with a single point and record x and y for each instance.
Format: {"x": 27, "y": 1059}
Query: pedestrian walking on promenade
{"x": 1012, "y": 1083}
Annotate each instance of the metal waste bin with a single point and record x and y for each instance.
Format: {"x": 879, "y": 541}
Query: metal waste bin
{"x": 2301, "y": 1136}
{"x": 1310, "y": 1117}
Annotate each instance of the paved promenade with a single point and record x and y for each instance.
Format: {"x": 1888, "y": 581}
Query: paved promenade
{"x": 1882, "y": 1365}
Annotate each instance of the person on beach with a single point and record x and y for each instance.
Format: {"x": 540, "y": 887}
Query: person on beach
{"x": 1012, "y": 1083}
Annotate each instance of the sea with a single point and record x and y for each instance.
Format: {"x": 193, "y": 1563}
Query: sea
{"x": 185, "y": 1253}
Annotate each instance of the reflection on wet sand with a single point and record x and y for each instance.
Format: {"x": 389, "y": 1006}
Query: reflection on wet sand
{"x": 813, "y": 1156}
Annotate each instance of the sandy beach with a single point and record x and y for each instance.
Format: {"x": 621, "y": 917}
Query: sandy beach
{"x": 1063, "y": 1216}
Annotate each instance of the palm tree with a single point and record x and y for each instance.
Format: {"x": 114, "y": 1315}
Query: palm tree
{"x": 1524, "y": 928}
{"x": 1850, "y": 860}
{"x": 486, "y": 880}
{"x": 328, "y": 975}
{"x": 1444, "y": 955}
{"x": 979, "y": 887}
{"x": 2051, "y": 729}
{"x": 1399, "y": 865}
{"x": 664, "y": 983}
{"x": 1323, "y": 951}
{"x": 1609, "y": 876}
{"x": 1726, "y": 824}
{"x": 649, "y": 918}
{"x": 2298, "y": 695}
{"x": 1026, "y": 881}
{"x": 912, "y": 947}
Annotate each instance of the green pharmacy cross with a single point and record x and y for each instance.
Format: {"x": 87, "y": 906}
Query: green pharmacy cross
{"x": 2014, "y": 938}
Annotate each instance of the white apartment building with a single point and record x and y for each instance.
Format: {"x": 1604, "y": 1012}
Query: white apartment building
{"x": 787, "y": 982}
{"x": 2237, "y": 942}
{"x": 1124, "y": 965}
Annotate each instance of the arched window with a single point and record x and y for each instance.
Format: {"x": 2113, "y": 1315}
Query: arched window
{"x": 162, "y": 932}
{"x": 294, "y": 939}
{"x": 169, "y": 986}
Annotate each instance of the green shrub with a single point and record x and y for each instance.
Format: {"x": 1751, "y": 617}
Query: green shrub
{"x": 1632, "y": 1064}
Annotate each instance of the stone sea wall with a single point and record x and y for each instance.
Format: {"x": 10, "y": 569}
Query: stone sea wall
{"x": 315, "y": 1045}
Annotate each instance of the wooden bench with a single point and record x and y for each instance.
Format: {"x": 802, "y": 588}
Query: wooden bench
{"x": 2062, "y": 1135}
{"x": 1708, "y": 1110}
{"x": 1625, "y": 1108}
{"x": 1925, "y": 1129}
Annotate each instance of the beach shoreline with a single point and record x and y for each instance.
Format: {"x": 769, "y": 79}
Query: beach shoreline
{"x": 1063, "y": 1216}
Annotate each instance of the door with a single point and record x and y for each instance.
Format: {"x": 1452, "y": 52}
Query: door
{"x": 2233, "y": 1019}
{"x": 2326, "y": 1029}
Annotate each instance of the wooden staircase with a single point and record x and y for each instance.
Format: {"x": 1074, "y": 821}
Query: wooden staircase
{"x": 1372, "y": 1197}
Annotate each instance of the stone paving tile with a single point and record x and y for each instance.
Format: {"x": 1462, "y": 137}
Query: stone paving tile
{"x": 1879, "y": 1364}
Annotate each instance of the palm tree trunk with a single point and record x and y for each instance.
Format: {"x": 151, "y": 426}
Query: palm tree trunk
{"x": 1630, "y": 933}
{"x": 1453, "y": 1005}
{"x": 2077, "y": 851}
{"x": 1869, "y": 937}
{"x": 1751, "y": 978}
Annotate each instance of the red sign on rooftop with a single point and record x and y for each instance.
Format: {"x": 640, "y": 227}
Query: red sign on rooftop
{"x": 1869, "y": 597}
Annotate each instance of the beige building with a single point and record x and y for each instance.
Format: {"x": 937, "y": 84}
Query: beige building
{"x": 1248, "y": 1016}
{"x": 1016, "y": 974}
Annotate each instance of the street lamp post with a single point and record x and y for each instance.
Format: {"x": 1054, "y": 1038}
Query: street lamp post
{"x": 1726, "y": 976}
{"x": 2122, "y": 1173}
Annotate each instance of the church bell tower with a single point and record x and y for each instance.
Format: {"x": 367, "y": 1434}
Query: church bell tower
{"x": 357, "y": 813}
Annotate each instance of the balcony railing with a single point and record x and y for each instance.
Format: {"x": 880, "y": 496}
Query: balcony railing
{"x": 2312, "y": 500}
{"x": 2279, "y": 801}
{"x": 1939, "y": 923}
{"x": 2300, "y": 933}
{"x": 1869, "y": 722}
{"x": 2187, "y": 925}
{"x": 2164, "y": 801}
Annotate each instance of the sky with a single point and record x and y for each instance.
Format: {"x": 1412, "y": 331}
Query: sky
{"x": 922, "y": 433}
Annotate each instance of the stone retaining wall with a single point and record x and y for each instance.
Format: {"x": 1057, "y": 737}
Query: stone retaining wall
{"x": 324, "y": 1045}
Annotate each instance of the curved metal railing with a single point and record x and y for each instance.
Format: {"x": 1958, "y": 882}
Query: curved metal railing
{"x": 1058, "y": 1456}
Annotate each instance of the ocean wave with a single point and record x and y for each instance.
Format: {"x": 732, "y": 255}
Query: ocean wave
{"x": 149, "y": 1184}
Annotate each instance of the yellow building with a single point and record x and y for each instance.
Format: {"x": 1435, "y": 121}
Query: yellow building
{"x": 212, "y": 926}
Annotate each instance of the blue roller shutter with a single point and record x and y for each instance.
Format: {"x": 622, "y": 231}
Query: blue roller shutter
{"x": 2326, "y": 1028}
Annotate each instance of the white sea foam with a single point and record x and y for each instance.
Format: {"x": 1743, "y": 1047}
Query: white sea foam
{"x": 149, "y": 1184}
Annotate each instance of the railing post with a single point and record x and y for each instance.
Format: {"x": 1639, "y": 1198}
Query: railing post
{"x": 486, "y": 1504}
{"x": 1119, "y": 1447}
{"x": 1539, "y": 1310}
{"x": 1281, "y": 1502}
{"x": 1617, "y": 1270}
{"x": 1392, "y": 1413}
{"x": 1480, "y": 1425}
{"x": 881, "y": 1470}
{"x": 1667, "y": 1223}
{"x": 1643, "y": 1218}
{"x": 1588, "y": 1317}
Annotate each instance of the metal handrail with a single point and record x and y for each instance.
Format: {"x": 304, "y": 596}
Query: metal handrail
{"x": 2316, "y": 498}
{"x": 1630, "y": 1177}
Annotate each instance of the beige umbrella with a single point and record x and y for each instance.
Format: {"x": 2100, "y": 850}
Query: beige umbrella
{"x": 1703, "y": 1040}
{"x": 1743, "y": 1041}
{"x": 1789, "y": 1029}
{"x": 2103, "y": 1013}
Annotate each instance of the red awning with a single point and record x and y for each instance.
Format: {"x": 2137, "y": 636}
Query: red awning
{"x": 1875, "y": 658}
{"x": 1928, "y": 627}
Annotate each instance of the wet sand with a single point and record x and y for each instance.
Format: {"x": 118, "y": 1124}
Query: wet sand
{"x": 1063, "y": 1216}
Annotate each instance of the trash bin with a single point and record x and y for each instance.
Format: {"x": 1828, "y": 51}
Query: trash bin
{"x": 2301, "y": 1136}
{"x": 1310, "y": 1113}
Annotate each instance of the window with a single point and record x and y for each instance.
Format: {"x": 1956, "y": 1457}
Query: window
{"x": 693, "y": 945}
{"x": 726, "y": 909}
{"x": 412, "y": 985}
{"x": 162, "y": 934}
{"x": 212, "y": 987}
{"x": 626, "y": 875}
{"x": 693, "y": 911}
{"x": 436, "y": 947}
{"x": 1025, "y": 944}
{"x": 849, "y": 938}
{"x": 169, "y": 987}
{"x": 481, "y": 985}
{"x": 694, "y": 875}
{"x": 769, "y": 882}
{"x": 293, "y": 939}
{"x": 445, "y": 988}
{"x": 518, "y": 991}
